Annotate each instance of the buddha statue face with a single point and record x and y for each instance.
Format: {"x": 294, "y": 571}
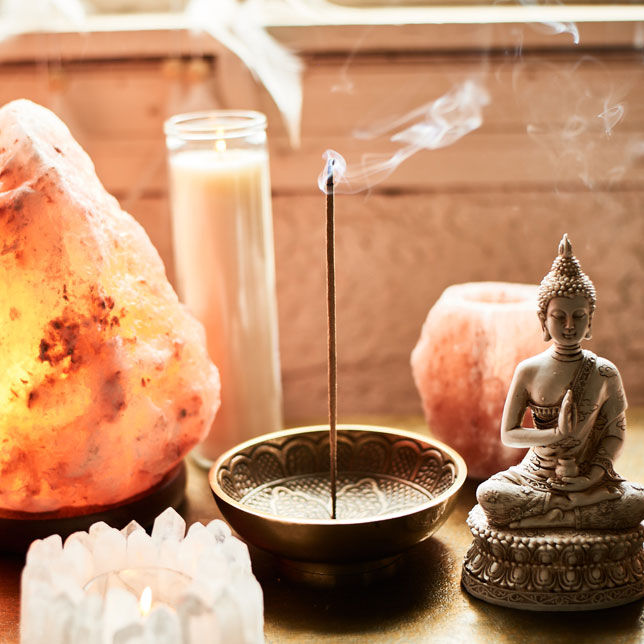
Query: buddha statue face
{"x": 566, "y": 299}
{"x": 567, "y": 320}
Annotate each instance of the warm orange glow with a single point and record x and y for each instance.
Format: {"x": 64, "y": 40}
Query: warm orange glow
{"x": 145, "y": 603}
{"x": 105, "y": 382}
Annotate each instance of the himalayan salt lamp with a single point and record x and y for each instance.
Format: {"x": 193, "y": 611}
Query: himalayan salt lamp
{"x": 105, "y": 381}
{"x": 470, "y": 344}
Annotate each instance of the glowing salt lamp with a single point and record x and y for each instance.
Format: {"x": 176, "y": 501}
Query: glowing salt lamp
{"x": 105, "y": 381}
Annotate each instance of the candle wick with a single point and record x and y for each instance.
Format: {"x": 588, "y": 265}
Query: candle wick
{"x": 331, "y": 337}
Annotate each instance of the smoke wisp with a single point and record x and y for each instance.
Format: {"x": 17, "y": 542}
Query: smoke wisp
{"x": 431, "y": 126}
{"x": 18, "y": 16}
{"x": 553, "y": 27}
{"x": 578, "y": 123}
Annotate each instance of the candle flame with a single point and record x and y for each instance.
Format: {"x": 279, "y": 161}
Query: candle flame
{"x": 145, "y": 603}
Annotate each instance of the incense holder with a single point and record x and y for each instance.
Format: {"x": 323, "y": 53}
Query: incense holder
{"x": 394, "y": 489}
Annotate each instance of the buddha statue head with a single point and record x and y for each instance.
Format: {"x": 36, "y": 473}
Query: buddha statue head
{"x": 566, "y": 299}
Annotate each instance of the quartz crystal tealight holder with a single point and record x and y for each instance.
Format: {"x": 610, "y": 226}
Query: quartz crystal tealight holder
{"x": 394, "y": 489}
{"x": 110, "y": 586}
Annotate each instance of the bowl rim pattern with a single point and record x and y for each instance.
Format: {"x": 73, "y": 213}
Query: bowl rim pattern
{"x": 424, "y": 442}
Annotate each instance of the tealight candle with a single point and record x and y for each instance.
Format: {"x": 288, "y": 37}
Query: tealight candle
{"x": 110, "y": 586}
{"x": 154, "y": 586}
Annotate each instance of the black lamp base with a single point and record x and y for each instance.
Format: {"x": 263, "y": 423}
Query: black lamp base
{"x": 19, "y": 529}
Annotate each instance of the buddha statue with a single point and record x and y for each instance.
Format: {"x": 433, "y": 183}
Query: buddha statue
{"x": 565, "y": 493}
{"x": 577, "y": 402}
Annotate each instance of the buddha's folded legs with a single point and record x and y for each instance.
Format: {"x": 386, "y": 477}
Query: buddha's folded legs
{"x": 626, "y": 511}
{"x": 506, "y": 499}
{"x": 509, "y": 499}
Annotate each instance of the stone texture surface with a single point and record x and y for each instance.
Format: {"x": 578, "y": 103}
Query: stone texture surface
{"x": 469, "y": 346}
{"x": 105, "y": 381}
{"x": 396, "y": 253}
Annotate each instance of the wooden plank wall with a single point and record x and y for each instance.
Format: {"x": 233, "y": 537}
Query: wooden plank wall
{"x": 490, "y": 207}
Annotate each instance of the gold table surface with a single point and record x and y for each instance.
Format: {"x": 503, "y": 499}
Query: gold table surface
{"x": 422, "y": 602}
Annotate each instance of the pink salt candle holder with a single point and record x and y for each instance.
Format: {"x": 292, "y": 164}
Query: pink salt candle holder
{"x": 470, "y": 344}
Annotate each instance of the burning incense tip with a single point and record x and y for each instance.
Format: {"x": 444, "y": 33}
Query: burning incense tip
{"x": 329, "y": 174}
{"x": 333, "y": 172}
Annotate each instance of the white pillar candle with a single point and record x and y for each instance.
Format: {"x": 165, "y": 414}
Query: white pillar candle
{"x": 224, "y": 258}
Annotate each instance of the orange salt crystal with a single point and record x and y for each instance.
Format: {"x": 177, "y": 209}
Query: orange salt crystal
{"x": 105, "y": 381}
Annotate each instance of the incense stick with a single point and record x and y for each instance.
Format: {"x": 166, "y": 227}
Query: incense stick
{"x": 331, "y": 337}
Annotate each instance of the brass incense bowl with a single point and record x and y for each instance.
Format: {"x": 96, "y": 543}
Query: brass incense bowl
{"x": 395, "y": 488}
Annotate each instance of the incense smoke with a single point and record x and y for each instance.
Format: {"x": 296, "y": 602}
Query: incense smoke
{"x": 611, "y": 116}
{"x": 238, "y": 27}
{"x": 553, "y": 27}
{"x": 431, "y": 126}
{"x": 576, "y": 123}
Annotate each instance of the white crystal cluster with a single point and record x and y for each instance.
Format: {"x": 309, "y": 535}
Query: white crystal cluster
{"x": 222, "y": 602}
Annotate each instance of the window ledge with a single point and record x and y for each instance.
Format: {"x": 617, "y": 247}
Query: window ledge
{"x": 342, "y": 29}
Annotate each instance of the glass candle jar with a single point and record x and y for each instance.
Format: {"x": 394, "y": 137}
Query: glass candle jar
{"x": 224, "y": 258}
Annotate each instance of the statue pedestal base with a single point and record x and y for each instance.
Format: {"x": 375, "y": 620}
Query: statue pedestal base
{"x": 553, "y": 569}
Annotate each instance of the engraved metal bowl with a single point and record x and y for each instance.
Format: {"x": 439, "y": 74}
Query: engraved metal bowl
{"x": 395, "y": 488}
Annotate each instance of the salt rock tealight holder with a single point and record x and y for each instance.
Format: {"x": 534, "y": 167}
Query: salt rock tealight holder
{"x": 106, "y": 382}
{"x": 111, "y": 586}
{"x": 472, "y": 339}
